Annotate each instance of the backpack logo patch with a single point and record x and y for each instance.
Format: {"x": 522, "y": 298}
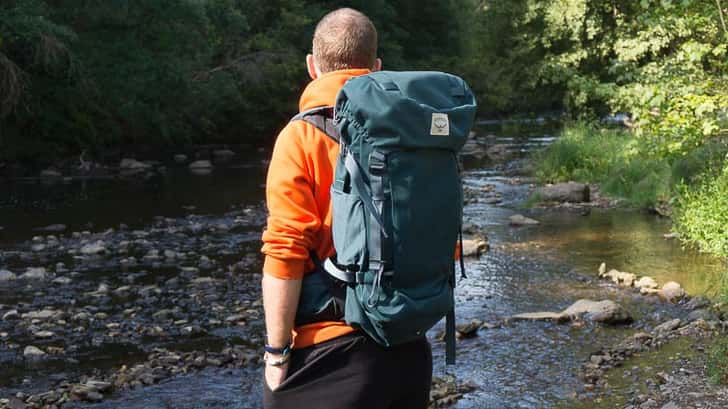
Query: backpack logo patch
{"x": 440, "y": 125}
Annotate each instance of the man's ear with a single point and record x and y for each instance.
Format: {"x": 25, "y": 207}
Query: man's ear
{"x": 377, "y": 65}
{"x": 311, "y": 67}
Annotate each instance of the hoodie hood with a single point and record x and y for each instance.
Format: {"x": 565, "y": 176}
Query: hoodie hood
{"x": 323, "y": 90}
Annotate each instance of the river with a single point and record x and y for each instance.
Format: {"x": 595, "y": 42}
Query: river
{"x": 179, "y": 227}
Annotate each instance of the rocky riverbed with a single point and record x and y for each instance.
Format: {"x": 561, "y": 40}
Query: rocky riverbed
{"x": 105, "y": 304}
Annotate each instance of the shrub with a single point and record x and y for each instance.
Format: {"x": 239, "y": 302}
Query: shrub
{"x": 702, "y": 213}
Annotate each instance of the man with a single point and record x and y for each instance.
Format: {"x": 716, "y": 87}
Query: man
{"x": 331, "y": 365}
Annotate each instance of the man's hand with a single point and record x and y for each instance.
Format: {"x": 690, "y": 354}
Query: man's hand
{"x": 280, "y": 300}
{"x": 274, "y": 375}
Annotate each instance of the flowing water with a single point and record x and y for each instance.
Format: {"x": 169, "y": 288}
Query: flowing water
{"x": 528, "y": 269}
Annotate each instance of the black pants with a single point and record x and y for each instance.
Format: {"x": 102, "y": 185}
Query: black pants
{"x": 353, "y": 372}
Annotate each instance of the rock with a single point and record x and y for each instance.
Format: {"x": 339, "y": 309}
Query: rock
{"x": 99, "y": 385}
{"x": 133, "y": 165}
{"x": 201, "y": 164}
{"x": 702, "y": 314}
{"x": 15, "y": 403}
{"x": 472, "y": 150}
{"x": 537, "y": 316}
{"x": 87, "y": 393}
{"x": 93, "y": 249}
{"x": 473, "y": 248}
{"x": 647, "y": 283}
{"x": 35, "y": 273}
{"x": 163, "y": 314}
{"x": 31, "y": 352}
{"x": 62, "y": 281}
{"x": 193, "y": 331}
{"x": 619, "y": 277}
{"x": 54, "y": 228}
{"x": 607, "y": 312}
{"x": 223, "y": 154}
{"x": 670, "y": 405}
{"x": 11, "y": 315}
{"x": 44, "y": 334}
{"x": 468, "y": 330}
{"x": 564, "y": 192}
{"x": 520, "y": 220}
{"x": 180, "y": 158}
{"x": 6, "y": 275}
{"x": 42, "y": 315}
{"x": 698, "y": 302}
{"x": 50, "y": 173}
{"x": 668, "y": 325}
{"x": 671, "y": 292}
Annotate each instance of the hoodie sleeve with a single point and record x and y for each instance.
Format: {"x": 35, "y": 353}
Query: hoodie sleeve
{"x": 293, "y": 220}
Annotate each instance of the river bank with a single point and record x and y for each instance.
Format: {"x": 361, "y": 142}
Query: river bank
{"x": 156, "y": 303}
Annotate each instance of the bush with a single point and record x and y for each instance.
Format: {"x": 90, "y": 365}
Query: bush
{"x": 702, "y": 213}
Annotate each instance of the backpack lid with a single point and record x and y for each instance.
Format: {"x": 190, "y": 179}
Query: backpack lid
{"x": 409, "y": 109}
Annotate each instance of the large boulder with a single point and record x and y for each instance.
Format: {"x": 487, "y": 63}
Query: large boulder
{"x": 607, "y": 312}
{"x": 564, "y": 192}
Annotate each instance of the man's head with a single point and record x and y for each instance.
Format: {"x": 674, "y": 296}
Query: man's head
{"x": 344, "y": 39}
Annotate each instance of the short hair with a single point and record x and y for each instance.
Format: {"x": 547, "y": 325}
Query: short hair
{"x": 345, "y": 39}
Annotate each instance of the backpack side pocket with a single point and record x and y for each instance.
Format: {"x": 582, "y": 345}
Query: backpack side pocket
{"x": 348, "y": 228}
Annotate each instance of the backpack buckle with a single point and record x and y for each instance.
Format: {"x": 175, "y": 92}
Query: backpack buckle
{"x": 377, "y": 163}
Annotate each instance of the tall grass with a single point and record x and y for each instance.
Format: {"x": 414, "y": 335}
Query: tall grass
{"x": 608, "y": 157}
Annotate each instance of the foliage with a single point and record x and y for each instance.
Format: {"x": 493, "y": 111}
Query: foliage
{"x": 82, "y": 75}
{"x": 702, "y": 214}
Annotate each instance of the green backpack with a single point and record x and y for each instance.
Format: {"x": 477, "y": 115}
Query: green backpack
{"x": 397, "y": 205}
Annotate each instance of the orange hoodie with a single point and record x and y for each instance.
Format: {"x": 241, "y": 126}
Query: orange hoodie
{"x": 299, "y": 201}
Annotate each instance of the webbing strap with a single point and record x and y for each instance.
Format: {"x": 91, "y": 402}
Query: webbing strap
{"x": 358, "y": 180}
{"x": 342, "y": 275}
{"x": 462, "y": 257}
{"x": 322, "y": 119}
{"x": 377, "y": 167}
{"x": 450, "y": 329}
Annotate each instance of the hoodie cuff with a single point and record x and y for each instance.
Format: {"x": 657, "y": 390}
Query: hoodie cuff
{"x": 284, "y": 269}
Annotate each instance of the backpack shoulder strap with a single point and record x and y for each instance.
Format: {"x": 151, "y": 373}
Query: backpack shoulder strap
{"x": 322, "y": 118}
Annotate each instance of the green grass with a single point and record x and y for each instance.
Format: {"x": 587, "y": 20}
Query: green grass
{"x": 608, "y": 157}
